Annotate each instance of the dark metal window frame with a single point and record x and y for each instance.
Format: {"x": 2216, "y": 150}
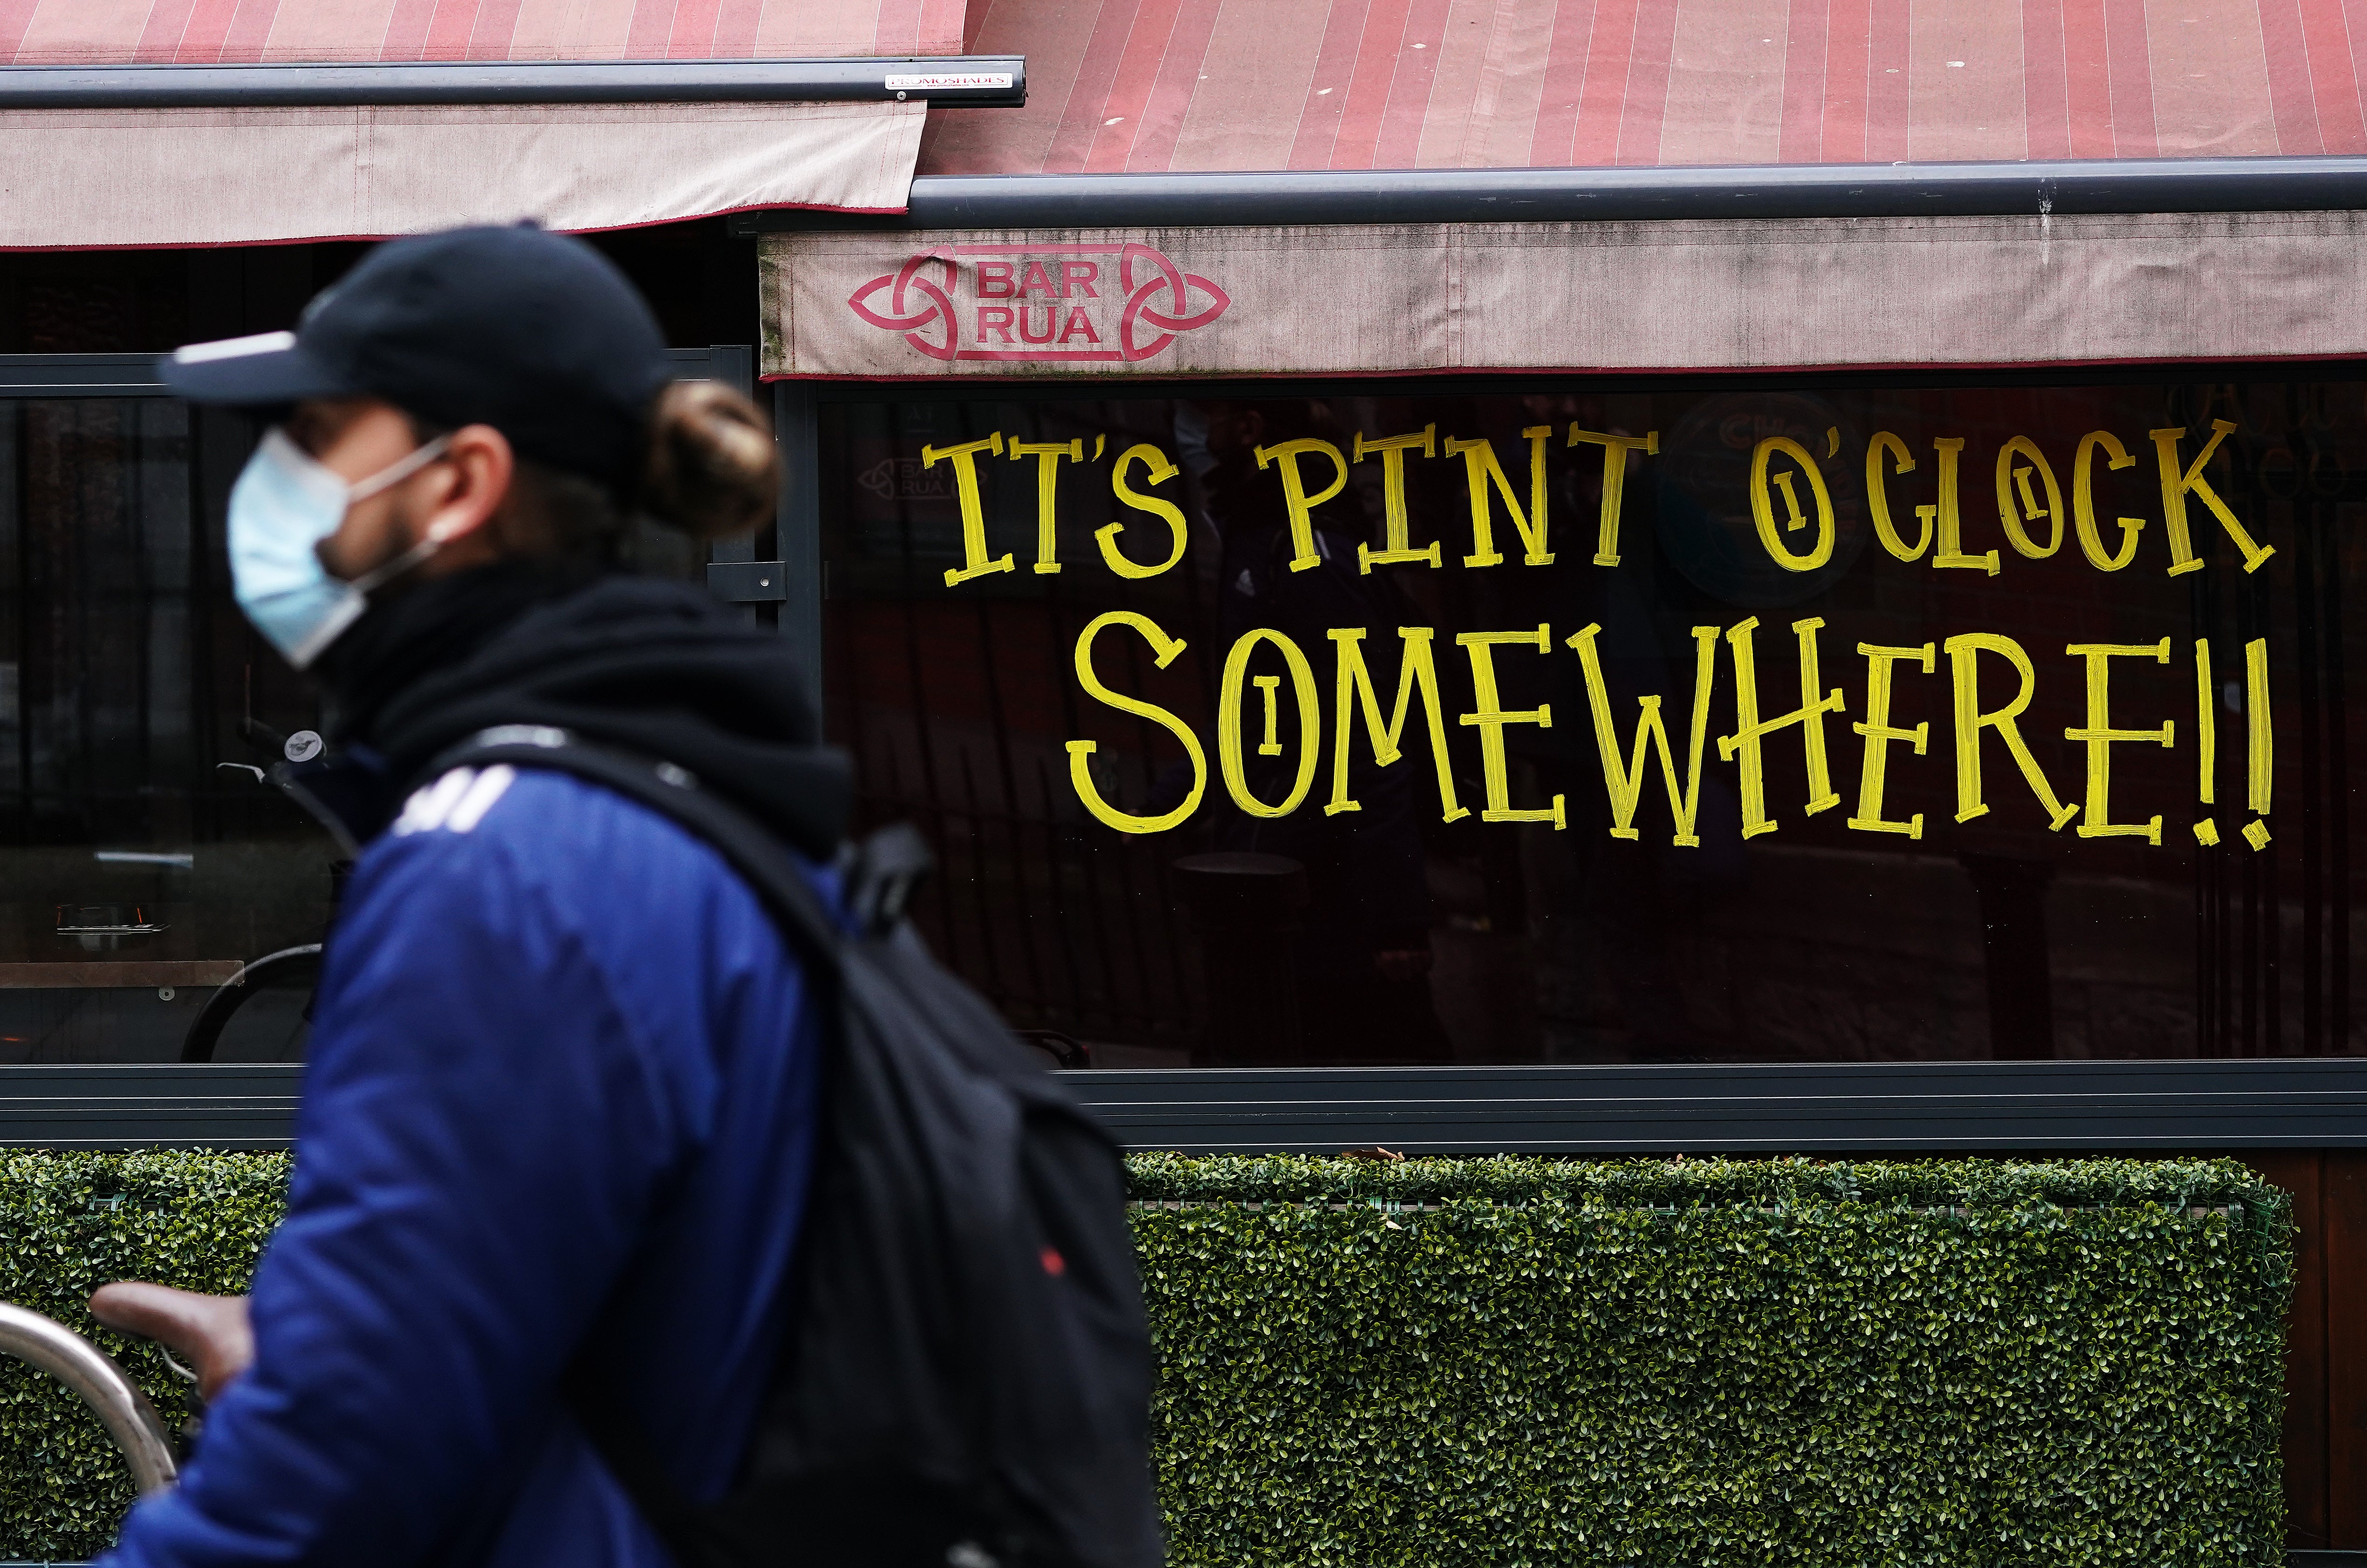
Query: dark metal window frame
{"x": 1851, "y": 1110}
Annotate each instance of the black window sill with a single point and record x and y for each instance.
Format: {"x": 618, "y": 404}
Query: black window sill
{"x": 1864, "y": 1108}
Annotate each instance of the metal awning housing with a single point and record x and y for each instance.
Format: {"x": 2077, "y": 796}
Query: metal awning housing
{"x": 1201, "y": 198}
{"x": 225, "y": 32}
{"x": 977, "y": 82}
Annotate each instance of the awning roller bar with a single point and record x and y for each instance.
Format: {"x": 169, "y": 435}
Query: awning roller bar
{"x": 970, "y": 81}
{"x": 1533, "y": 196}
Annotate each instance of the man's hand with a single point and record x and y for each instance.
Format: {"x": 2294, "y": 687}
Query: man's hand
{"x": 209, "y": 1333}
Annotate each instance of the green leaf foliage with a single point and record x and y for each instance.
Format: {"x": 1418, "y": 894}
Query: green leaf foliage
{"x": 1715, "y": 1364}
{"x": 69, "y": 1223}
{"x": 1694, "y": 1364}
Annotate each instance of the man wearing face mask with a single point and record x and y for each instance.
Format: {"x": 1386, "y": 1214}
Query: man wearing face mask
{"x": 562, "y": 1094}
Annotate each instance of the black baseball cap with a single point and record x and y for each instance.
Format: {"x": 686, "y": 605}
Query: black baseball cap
{"x": 535, "y": 334}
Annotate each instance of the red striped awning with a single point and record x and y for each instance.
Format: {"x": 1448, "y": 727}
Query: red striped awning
{"x": 1188, "y": 84}
{"x": 211, "y": 32}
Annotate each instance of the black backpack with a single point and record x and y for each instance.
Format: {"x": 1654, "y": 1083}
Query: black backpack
{"x": 966, "y": 1377}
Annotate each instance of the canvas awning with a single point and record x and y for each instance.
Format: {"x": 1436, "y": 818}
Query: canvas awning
{"x": 1565, "y": 255}
{"x": 89, "y": 179}
{"x": 1153, "y": 86}
{"x": 203, "y": 122}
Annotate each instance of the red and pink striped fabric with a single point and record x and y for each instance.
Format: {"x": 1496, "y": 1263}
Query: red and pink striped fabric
{"x": 1150, "y": 84}
{"x": 1154, "y": 85}
{"x": 46, "y": 32}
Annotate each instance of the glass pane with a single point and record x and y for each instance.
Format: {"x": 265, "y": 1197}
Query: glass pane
{"x": 2068, "y": 778}
{"x": 146, "y": 857}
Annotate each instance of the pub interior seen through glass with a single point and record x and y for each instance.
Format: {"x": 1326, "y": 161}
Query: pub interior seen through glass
{"x": 1819, "y": 725}
{"x": 147, "y": 855}
{"x": 151, "y": 850}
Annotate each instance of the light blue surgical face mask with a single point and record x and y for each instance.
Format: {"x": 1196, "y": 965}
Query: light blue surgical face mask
{"x": 285, "y": 502}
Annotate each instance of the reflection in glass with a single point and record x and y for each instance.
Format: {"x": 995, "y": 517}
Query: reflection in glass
{"x": 146, "y": 855}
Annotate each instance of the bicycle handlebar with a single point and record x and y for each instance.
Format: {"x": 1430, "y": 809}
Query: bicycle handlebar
{"x": 91, "y": 1373}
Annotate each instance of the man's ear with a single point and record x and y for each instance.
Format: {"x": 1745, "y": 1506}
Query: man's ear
{"x": 475, "y": 479}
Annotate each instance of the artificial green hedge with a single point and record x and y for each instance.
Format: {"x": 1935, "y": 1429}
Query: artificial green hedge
{"x": 1717, "y": 1365}
{"x": 69, "y": 1223}
{"x": 1694, "y": 1364}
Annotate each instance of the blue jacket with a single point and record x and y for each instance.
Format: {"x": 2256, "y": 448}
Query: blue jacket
{"x": 562, "y": 1073}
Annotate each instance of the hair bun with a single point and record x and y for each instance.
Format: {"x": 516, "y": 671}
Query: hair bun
{"x": 712, "y": 469}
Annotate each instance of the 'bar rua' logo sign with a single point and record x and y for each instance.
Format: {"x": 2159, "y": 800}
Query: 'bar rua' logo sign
{"x": 1116, "y": 302}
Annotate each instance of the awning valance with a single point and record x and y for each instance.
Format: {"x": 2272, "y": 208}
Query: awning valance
{"x": 1626, "y": 296}
{"x": 223, "y": 123}
{"x": 94, "y": 179}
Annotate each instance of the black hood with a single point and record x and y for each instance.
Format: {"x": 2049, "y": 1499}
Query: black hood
{"x": 658, "y": 668}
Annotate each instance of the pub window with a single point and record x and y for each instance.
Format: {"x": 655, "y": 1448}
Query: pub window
{"x": 1573, "y": 725}
{"x": 148, "y": 854}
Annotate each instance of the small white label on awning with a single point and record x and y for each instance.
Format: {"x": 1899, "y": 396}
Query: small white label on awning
{"x": 942, "y": 81}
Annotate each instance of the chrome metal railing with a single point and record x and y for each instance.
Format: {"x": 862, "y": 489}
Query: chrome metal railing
{"x": 91, "y": 1373}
